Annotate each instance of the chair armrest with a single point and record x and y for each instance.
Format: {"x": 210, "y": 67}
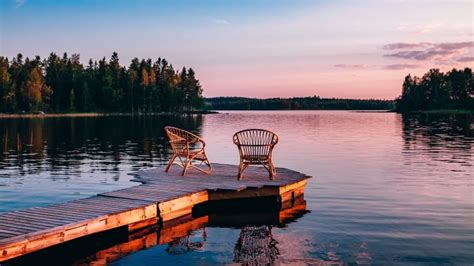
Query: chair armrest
{"x": 274, "y": 140}
{"x": 202, "y": 142}
{"x": 198, "y": 140}
{"x": 236, "y": 140}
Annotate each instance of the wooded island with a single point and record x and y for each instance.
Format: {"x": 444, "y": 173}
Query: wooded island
{"x": 62, "y": 84}
{"x": 436, "y": 90}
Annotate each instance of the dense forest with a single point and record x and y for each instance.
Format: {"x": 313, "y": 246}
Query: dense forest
{"x": 297, "y": 103}
{"x": 437, "y": 90}
{"x": 63, "y": 84}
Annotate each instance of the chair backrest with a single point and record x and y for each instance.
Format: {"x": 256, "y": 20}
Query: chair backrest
{"x": 255, "y": 142}
{"x": 179, "y": 138}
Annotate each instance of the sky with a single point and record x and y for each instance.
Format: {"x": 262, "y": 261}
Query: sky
{"x": 252, "y": 48}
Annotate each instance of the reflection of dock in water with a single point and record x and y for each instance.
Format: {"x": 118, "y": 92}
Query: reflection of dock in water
{"x": 110, "y": 246}
{"x": 162, "y": 198}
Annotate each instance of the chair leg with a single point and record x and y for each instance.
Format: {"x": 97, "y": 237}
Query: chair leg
{"x": 200, "y": 169}
{"x": 208, "y": 163}
{"x": 185, "y": 167}
{"x": 241, "y": 169}
{"x": 170, "y": 163}
{"x": 271, "y": 170}
{"x": 189, "y": 163}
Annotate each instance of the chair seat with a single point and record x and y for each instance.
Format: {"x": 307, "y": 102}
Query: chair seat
{"x": 255, "y": 158}
{"x": 198, "y": 153}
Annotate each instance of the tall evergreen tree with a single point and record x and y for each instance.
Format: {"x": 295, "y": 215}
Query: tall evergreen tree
{"x": 194, "y": 95}
{"x": 32, "y": 88}
{"x": 6, "y": 93}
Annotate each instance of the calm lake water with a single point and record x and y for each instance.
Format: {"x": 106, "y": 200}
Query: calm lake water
{"x": 386, "y": 189}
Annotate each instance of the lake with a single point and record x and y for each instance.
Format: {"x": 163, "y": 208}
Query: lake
{"x": 386, "y": 188}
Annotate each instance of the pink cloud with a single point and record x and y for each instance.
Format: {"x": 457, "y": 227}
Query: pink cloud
{"x": 400, "y": 66}
{"x": 455, "y": 45}
{"x": 429, "y": 51}
{"x": 351, "y": 66}
{"x": 402, "y": 45}
{"x": 466, "y": 59}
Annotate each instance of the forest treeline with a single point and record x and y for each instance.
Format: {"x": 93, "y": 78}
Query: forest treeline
{"x": 63, "y": 84}
{"x": 297, "y": 103}
{"x": 437, "y": 90}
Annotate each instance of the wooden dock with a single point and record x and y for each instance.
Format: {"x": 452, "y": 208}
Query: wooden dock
{"x": 160, "y": 198}
{"x": 111, "y": 245}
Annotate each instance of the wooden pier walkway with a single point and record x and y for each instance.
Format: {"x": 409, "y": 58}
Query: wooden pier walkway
{"x": 161, "y": 197}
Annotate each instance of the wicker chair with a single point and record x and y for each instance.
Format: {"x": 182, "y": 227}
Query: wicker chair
{"x": 187, "y": 147}
{"x": 255, "y": 148}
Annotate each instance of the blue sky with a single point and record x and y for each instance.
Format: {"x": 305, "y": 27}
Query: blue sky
{"x": 357, "y": 48}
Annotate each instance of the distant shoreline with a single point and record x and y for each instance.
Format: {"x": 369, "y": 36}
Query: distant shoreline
{"x": 95, "y": 114}
{"x": 440, "y": 111}
{"x": 296, "y": 103}
{"x": 58, "y": 115}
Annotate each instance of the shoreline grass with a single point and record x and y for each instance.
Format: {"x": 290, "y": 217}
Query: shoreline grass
{"x": 94, "y": 114}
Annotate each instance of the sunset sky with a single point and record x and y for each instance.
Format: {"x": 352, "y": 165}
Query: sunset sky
{"x": 349, "y": 49}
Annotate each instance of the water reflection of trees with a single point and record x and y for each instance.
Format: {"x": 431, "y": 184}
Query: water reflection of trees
{"x": 256, "y": 246}
{"x": 63, "y": 145}
{"x": 439, "y": 135}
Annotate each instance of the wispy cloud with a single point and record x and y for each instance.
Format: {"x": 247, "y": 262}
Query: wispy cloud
{"x": 421, "y": 29}
{"x": 429, "y": 51}
{"x": 404, "y": 45}
{"x": 386, "y": 67}
{"x": 218, "y": 21}
{"x": 351, "y": 66}
{"x": 19, "y": 3}
{"x": 400, "y": 66}
{"x": 466, "y": 59}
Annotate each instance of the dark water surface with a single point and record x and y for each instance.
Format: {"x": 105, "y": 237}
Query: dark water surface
{"x": 386, "y": 189}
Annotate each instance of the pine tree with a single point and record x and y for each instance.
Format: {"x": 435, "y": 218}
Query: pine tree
{"x": 32, "y": 88}
{"x": 6, "y": 92}
{"x": 195, "y": 90}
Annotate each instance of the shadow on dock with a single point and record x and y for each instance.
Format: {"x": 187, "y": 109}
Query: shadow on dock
{"x": 254, "y": 217}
